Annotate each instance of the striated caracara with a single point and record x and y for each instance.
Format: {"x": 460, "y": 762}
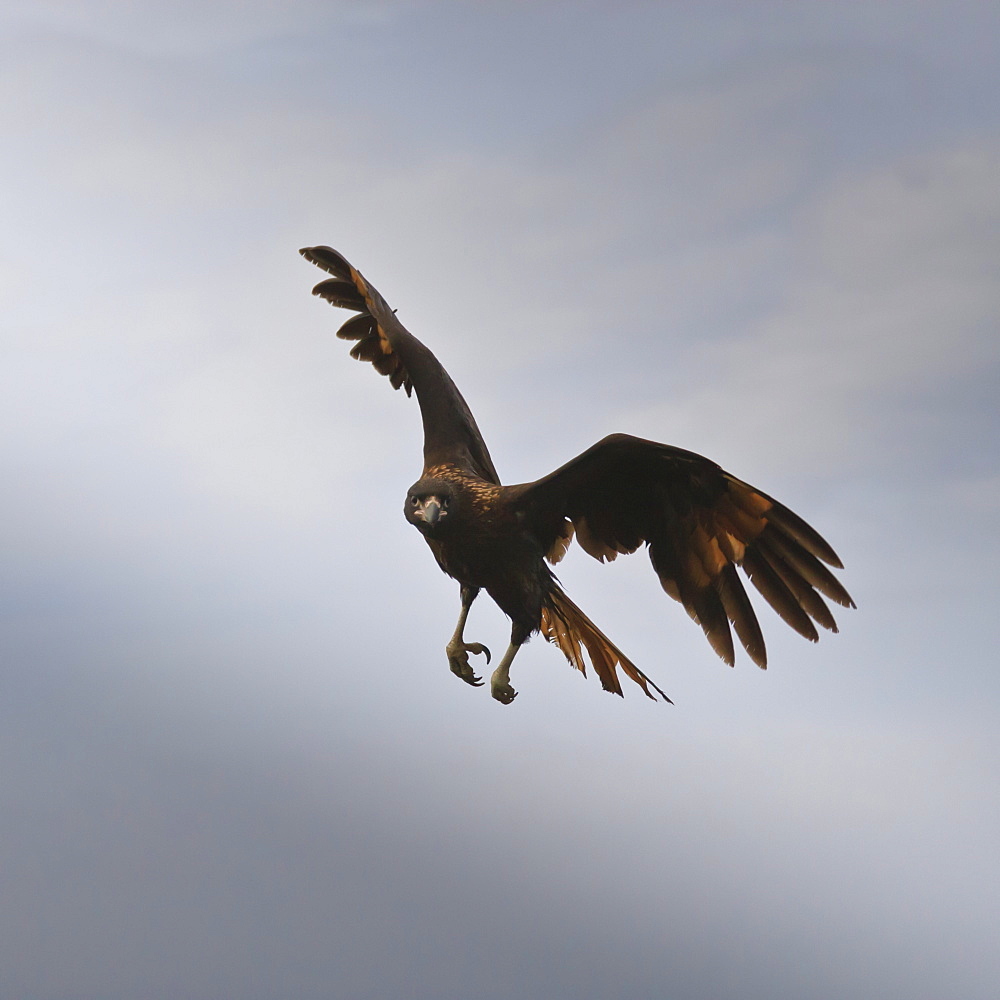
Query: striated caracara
{"x": 698, "y": 522}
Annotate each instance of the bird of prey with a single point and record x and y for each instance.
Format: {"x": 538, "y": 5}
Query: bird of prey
{"x": 697, "y": 521}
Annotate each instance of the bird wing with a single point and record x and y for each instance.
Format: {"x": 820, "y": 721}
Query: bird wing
{"x": 699, "y": 524}
{"x": 451, "y": 436}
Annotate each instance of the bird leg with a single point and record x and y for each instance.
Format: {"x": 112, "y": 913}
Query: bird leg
{"x": 500, "y": 681}
{"x": 458, "y": 649}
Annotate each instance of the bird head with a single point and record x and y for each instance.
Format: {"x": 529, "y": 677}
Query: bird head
{"x": 429, "y": 504}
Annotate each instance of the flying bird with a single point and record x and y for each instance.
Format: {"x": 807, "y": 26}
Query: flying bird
{"x": 698, "y": 522}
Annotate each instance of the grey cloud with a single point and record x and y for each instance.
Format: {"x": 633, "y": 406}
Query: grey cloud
{"x": 895, "y": 296}
{"x": 236, "y": 764}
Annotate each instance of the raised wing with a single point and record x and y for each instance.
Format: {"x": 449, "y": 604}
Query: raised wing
{"x": 451, "y": 436}
{"x": 699, "y": 523}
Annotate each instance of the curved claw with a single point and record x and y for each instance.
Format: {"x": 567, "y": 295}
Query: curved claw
{"x": 477, "y": 648}
{"x": 458, "y": 661}
{"x": 466, "y": 673}
{"x": 503, "y": 693}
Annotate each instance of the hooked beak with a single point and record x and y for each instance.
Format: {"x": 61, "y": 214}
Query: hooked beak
{"x": 431, "y": 512}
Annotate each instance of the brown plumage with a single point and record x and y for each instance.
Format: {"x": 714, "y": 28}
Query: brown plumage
{"x": 697, "y": 521}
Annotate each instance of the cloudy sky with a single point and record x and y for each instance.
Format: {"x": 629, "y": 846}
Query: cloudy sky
{"x": 234, "y": 762}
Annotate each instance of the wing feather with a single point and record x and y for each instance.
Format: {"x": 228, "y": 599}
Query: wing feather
{"x": 773, "y": 589}
{"x": 699, "y": 524}
{"x": 740, "y": 612}
{"x": 451, "y": 436}
{"x": 341, "y": 294}
{"x": 810, "y": 569}
{"x": 358, "y": 327}
{"x": 810, "y": 540}
{"x": 714, "y": 622}
{"x": 807, "y": 598}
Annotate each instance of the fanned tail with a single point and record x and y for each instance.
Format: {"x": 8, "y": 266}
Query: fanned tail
{"x": 564, "y": 624}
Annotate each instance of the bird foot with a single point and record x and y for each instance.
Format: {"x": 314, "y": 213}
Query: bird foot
{"x": 458, "y": 660}
{"x": 500, "y": 687}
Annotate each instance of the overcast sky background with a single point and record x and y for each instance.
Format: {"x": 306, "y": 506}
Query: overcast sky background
{"x": 233, "y": 761}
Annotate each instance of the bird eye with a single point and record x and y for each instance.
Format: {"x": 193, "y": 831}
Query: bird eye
{"x": 413, "y": 501}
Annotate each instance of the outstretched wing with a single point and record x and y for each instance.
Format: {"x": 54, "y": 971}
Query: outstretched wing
{"x": 451, "y": 436}
{"x": 699, "y": 523}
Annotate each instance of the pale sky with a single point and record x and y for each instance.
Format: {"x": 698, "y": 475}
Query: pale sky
{"x": 235, "y": 761}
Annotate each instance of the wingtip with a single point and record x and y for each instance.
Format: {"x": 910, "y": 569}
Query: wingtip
{"x": 329, "y": 260}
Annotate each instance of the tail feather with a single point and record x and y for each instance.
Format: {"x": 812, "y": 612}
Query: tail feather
{"x": 565, "y": 625}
